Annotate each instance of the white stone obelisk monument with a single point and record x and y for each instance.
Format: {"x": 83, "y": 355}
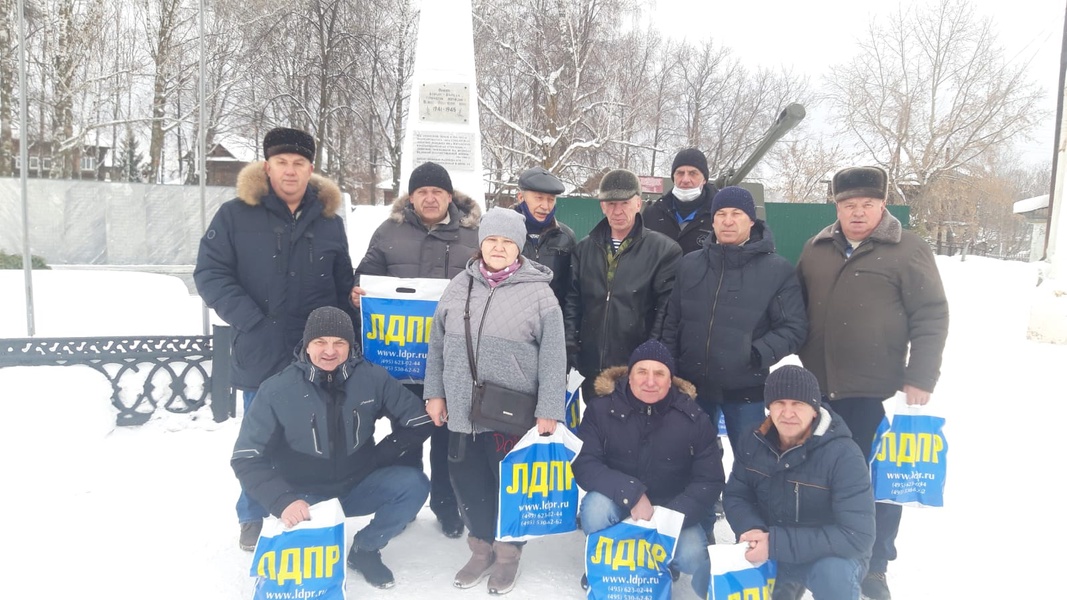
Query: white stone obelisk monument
{"x": 442, "y": 124}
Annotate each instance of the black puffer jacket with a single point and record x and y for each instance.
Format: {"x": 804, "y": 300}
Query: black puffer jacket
{"x": 605, "y": 321}
{"x": 403, "y": 247}
{"x": 814, "y": 499}
{"x": 313, "y": 432}
{"x": 667, "y": 451}
{"x": 727, "y": 301}
{"x": 553, "y": 248}
{"x": 661, "y": 216}
{"x": 264, "y": 270}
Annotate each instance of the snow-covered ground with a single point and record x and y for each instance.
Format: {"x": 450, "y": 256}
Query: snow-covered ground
{"x": 129, "y": 513}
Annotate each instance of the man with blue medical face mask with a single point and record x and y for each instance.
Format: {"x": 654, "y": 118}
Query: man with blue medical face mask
{"x": 684, "y": 213}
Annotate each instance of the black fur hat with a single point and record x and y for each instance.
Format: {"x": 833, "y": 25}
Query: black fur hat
{"x": 283, "y": 140}
{"x": 860, "y": 182}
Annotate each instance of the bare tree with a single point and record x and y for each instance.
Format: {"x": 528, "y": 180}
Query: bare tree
{"x": 542, "y": 83}
{"x": 8, "y": 52}
{"x": 928, "y": 94}
{"x": 802, "y": 167}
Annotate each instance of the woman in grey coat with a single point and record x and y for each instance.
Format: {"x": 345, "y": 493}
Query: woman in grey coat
{"x": 517, "y": 337}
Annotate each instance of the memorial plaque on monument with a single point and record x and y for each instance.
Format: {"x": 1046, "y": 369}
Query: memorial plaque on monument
{"x": 451, "y": 150}
{"x": 444, "y": 103}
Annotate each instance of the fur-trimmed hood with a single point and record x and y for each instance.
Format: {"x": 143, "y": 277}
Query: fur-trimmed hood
{"x": 887, "y": 231}
{"x": 469, "y": 212}
{"x": 252, "y": 185}
{"x": 605, "y": 382}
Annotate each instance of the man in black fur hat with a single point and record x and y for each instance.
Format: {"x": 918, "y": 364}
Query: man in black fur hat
{"x": 878, "y": 320}
{"x": 272, "y": 255}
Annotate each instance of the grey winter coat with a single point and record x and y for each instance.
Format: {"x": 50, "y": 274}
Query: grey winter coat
{"x": 522, "y": 347}
{"x": 814, "y": 499}
{"x": 403, "y": 247}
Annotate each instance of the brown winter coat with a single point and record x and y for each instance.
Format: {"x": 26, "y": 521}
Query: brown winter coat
{"x": 864, "y": 311}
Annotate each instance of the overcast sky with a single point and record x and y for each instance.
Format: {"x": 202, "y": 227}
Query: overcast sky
{"x": 811, "y": 36}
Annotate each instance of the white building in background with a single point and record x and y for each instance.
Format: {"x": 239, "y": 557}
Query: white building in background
{"x": 1035, "y": 211}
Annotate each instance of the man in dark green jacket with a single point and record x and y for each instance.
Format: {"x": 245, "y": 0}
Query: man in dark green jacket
{"x": 878, "y": 321}
{"x": 309, "y": 437}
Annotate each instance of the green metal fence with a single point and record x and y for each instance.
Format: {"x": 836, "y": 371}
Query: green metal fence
{"x": 792, "y": 224}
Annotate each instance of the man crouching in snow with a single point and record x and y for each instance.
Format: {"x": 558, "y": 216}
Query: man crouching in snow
{"x": 800, "y": 493}
{"x": 646, "y": 443}
{"x": 309, "y": 436}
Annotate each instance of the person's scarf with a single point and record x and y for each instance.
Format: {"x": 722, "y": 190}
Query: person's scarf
{"x": 497, "y": 278}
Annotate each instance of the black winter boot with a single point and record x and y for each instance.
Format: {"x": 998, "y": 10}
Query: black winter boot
{"x": 368, "y": 563}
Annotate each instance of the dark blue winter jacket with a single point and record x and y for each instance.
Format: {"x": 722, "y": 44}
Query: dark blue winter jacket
{"x": 734, "y": 312}
{"x": 815, "y": 499}
{"x": 264, "y": 270}
{"x": 667, "y": 451}
{"x": 310, "y": 431}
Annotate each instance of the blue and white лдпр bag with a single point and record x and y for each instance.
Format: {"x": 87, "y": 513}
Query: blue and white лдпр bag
{"x": 538, "y": 495}
{"x": 909, "y": 460}
{"x": 631, "y": 559}
{"x": 305, "y": 561}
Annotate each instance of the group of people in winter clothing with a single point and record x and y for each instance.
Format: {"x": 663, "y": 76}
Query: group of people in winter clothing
{"x": 672, "y": 314}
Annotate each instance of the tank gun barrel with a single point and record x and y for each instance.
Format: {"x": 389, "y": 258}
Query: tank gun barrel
{"x": 787, "y": 120}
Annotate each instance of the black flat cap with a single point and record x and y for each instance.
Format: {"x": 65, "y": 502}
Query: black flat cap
{"x": 538, "y": 179}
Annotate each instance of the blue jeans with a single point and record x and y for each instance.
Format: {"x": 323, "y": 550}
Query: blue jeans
{"x": 741, "y": 419}
{"x": 830, "y": 578}
{"x": 690, "y": 553}
{"x": 394, "y": 495}
{"x": 247, "y": 508}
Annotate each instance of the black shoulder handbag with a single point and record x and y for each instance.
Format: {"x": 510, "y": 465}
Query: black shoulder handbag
{"x": 493, "y": 406}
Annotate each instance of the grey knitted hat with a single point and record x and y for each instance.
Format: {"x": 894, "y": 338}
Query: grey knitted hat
{"x": 329, "y": 321}
{"x": 790, "y": 382}
{"x": 618, "y": 185}
{"x": 504, "y": 222}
